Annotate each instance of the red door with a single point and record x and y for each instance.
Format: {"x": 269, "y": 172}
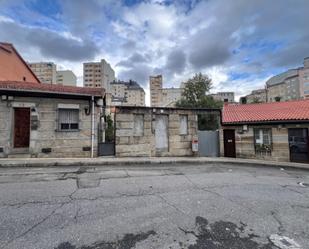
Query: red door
{"x": 229, "y": 143}
{"x": 21, "y": 127}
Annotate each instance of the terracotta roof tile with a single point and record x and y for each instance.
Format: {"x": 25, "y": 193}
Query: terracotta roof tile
{"x": 266, "y": 112}
{"x": 48, "y": 88}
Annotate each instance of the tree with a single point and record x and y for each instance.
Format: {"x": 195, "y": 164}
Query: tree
{"x": 277, "y": 98}
{"x": 195, "y": 93}
{"x": 195, "y": 96}
{"x": 109, "y": 132}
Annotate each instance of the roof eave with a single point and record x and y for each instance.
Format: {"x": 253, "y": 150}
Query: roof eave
{"x": 266, "y": 122}
{"x": 49, "y": 93}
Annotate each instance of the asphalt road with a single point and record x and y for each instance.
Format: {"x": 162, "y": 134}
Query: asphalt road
{"x": 189, "y": 206}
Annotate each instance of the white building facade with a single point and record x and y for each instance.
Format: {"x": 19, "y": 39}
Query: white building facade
{"x": 98, "y": 74}
{"x": 66, "y": 77}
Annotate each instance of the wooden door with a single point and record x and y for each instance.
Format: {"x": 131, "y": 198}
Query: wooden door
{"x": 21, "y": 127}
{"x": 229, "y": 143}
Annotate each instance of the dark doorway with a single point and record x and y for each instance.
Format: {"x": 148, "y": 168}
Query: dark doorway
{"x": 106, "y": 136}
{"x": 229, "y": 143}
{"x": 298, "y": 143}
{"x": 21, "y": 127}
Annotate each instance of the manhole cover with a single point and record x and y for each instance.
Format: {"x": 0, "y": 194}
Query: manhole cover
{"x": 303, "y": 184}
{"x": 284, "y": 242}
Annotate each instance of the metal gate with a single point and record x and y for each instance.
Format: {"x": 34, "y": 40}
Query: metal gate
{"x": 298, "y": 143}
{"x": 106, "y": 136}
{"x": 208, "y": 143}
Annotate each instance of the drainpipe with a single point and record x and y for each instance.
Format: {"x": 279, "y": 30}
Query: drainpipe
{"x": 92, "y": 125}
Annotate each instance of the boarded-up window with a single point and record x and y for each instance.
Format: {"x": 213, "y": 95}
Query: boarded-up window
{"x": 68, "y": 119}
{"x": 183, "y": 128}
{"x": 138, "y": 129}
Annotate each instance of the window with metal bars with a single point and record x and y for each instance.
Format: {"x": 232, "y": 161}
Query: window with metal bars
{"x": 263, "y": 140}
{"x": 68, "y": 119}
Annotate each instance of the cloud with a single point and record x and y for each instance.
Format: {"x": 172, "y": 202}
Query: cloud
{"x": 50, "y": 44}
{"x": 139, "y": 73}
{"x": 208, "y": 52}
{"x": 134, "y": 59}
{"x": 176, "y": 61}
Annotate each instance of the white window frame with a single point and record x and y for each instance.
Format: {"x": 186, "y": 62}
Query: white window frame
{"x": 262, "y": 139}
{"x": 71, "y": 124}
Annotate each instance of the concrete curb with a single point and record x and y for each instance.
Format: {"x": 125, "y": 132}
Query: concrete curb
{"x": 65, "y": 162}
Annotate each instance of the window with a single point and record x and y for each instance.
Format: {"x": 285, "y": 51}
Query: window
{"x": 262, "y": 140}
{"x": 183, "y": 128}
{"x": 68, "y": 119}
{"x": 138, "y": 129}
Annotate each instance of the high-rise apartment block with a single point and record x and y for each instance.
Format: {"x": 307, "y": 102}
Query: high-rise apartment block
{"x": 45, "y": 71}
{"x": 66, "y": 77}
{"x": 155, "y": 87}
{"x": 164, "y": 97}
{"x": 98, "y": 74}
{"x": 127, "y": 93}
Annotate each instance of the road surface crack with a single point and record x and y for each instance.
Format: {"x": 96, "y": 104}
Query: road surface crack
{"x": 60, "y": 205}
{"x": 274, "y": 214}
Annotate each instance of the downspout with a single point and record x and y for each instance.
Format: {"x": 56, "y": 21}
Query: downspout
{"x": 92, "y": 126}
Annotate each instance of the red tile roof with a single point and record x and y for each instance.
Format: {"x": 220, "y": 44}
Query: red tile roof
{"x": 49, "y": 89}
{"x": 265, "y": 112}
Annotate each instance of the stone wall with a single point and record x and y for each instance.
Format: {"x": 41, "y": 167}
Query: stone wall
{"x": 46, "y": 135}
{"x": 244, "y": 141}
{"x": 130, "y": 144}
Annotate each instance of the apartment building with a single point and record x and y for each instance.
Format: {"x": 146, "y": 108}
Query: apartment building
{"x": 66, "y": 77}
{"x": 155, "y": 86}
{"x": 224, "y": 96}
{"x": 163, "y": 97}
{"x": 127, "y": 93}
{"x": 290, "y": 85}
{"x": 169, "y": 96}
{"x": 256, "y": 96}
{"x": 98, "y": 74}
{"x": 45, "y": 71}
{"x": 284, "y": 86}
{"x": 303, "y": 74}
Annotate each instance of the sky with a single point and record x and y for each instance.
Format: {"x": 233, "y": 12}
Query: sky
{"x": 239, "y": 44}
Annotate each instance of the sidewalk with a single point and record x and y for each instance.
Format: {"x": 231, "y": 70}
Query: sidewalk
{"x": 127, "y": 161}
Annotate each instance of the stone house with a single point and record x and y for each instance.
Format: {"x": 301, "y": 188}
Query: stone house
{"x": 43, "y": 120}
{"x": 149, "y": 131}
{"x": 270, "y": 131}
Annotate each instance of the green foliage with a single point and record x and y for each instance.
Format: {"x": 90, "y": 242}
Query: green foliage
{"x": 208, "y": 122}
{"x": 109, "y": 131}
{"x": 195, "y": 96}
{"x": 195, "y": 93}
{"x": 243, "y": 100}
{"x": 277, "y": 98}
